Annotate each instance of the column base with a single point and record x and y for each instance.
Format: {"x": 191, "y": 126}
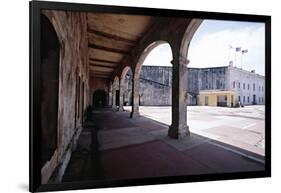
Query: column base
{"x": 120, "y": 109}
{"x": 178, "y": 132}
{"x": 134, "y": 114}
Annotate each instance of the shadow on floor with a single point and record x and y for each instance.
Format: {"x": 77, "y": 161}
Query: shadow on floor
{"x": 114, "y": 146}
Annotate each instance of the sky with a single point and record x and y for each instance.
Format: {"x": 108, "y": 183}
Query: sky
{"x": 214, "y": 44}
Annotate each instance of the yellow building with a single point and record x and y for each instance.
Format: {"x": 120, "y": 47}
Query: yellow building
{"x": 217, "y": 98}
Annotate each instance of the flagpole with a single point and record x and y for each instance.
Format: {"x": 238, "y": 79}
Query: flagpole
{"x": 243, "y": 52}
{"x": 235, "y": 58}
{"x": 242, "y": 59}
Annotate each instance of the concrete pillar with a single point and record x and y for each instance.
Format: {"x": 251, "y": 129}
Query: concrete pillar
{"x": 179, "y": 127}
{"x": 135, "y": 97}
{"x": 121, "y": 95}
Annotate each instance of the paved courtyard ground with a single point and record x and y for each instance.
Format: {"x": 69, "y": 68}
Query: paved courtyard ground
{"x": 240, "y": 127}
{"x": 114, "y": 146}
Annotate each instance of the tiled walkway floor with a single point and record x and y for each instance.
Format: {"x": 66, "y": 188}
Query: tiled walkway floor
{"x": 139, "y": 147}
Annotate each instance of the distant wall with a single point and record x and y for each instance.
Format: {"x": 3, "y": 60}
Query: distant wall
{"x": 248, "y": 86}
{"x": 155, "y": 85}
{"x": 156, "y": 81}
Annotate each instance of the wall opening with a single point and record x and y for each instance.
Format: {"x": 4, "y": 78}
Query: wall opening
{"x": 49, "y": 78}
{"x": 99, "y": 98}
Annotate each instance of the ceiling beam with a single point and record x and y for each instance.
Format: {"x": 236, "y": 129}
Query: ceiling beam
{"x": 99, "y": 47}
{"x": 100, "y": 72}
{"x": 99, "y": 76}
{"x": 111, "y": 36}
{"x": 104, "y": 61}
{"x": 100, "y": 65}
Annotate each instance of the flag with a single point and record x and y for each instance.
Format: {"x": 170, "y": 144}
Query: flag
{"x": 244, "y": 51}
{"x": 238, "y": 49}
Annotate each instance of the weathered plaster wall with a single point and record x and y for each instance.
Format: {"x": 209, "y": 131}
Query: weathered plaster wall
{"x": 156, "y": 81}
{"x": 155, "y": 85}
{"x": 212, "y": 78}
{"x": 71, "y": 29}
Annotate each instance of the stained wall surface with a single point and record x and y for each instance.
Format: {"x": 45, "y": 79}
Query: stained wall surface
{"x": 71, "y": 29}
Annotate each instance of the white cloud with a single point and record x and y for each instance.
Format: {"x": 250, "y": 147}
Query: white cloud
{"x": 213, "y": 49}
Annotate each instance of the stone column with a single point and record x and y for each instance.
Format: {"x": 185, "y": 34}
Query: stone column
{"x": 113, "y": 97}
{"x": 121, "y": 94}
{"x": 110, "y": 96}
{"x": 179, "y": 128}
{"x": 135, "y": 97}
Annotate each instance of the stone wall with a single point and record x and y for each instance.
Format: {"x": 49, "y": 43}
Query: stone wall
{"x": 155, "y": 85}
{"x": 71, "y": 29}
{"x": 212, "y": 78}
{"x": 156, "y": 81}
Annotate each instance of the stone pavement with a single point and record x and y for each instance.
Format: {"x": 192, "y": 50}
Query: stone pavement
{"x": 240, "y": 127}
{"x": 118, "y": 147}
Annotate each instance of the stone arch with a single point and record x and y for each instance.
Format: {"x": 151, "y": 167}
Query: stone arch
{"x": 147, "y": 50}
{"x": 59, "y": 31}
{"x": 122, "y": 86}
{"x": 99, "y": 98}
{"x": 188, "y": 35}
{"x": 137, "y": 70}
{"x": 49, "y": 91}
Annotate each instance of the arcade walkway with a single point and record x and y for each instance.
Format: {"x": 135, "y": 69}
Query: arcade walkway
{"x": 125, "y": 148}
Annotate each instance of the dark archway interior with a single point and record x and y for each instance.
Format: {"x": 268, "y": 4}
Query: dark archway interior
{"x": 117, "y": 97}
{"x": 99, "y": 98}
{"x": 49, "y": 75}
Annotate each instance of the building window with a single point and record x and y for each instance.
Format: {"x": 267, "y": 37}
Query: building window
{"x": 243, "y": 99}
{"x": 262, "y": 99}
{"x": 248, "y": 86}
{"x": 239, "y": 98}
{"x": 233, "y": 84}
{"x": 244, "y": 86}
{"x": 253, "y": 87}
{"x": 262, "y": 88}
{"x": 248, "y": 99}
{"x": 238, "y": 84}
{"x": 259, "y": 88}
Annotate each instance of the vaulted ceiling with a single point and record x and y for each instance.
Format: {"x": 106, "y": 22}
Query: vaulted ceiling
{"x": 111, "y": 37}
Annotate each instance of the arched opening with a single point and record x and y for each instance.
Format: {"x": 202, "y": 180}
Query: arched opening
{"x": 115, "y": 93}
{"x": 219, "y": 74}
{"x": 153, "y": 73}
{"x": 49, "y": 79}
{"x": 126, "y": 89}
{"x": 99, "y": 98}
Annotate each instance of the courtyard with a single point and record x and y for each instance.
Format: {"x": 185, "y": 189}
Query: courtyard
{"x": 239, "y": 127}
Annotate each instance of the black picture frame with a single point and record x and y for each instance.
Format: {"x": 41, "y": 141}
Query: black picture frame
{"x": 34, "y": 99}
